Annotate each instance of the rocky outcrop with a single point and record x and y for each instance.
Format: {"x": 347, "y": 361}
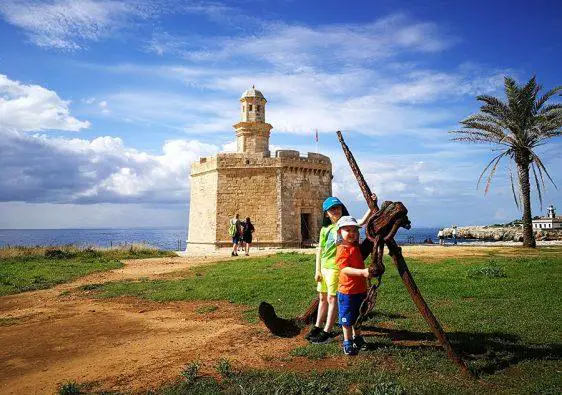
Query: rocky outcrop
{"x": 500, "y": 233}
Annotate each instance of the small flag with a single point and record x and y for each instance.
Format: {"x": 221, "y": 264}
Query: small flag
{"x": 316, "y": 135}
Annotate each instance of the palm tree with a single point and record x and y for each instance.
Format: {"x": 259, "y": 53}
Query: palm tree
{"x": 516, "y": 128}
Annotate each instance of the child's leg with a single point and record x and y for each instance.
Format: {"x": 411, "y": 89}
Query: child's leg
{"x": 347, "y": 332}
{"x": 332, "y": 312}
{"x": 322, "y": 309}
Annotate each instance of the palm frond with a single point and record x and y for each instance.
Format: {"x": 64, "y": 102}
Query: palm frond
{"x": 490, "y": 128}
{"x": 513, "y": 187}
{"x": 544, "y": 98}
{"x": 496, "y": 159}
{"x": 537, "y": 183}
{"x": 550, "y": 108}
{"x": 541, "y": 166}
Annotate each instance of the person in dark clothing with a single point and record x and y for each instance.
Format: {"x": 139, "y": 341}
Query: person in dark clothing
{"x": 247, "y": 235}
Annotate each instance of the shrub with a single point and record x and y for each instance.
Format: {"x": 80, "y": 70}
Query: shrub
{"x": 189, "y": 373}
{"x": 57, "y": 253}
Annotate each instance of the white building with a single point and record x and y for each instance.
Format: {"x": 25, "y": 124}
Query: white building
{"x": 551, "y": 221}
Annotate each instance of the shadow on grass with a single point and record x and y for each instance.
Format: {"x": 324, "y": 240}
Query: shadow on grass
{"x": 486, "y": 353}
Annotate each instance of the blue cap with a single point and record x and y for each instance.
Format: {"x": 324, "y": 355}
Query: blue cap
{"x": 331, "y": 202}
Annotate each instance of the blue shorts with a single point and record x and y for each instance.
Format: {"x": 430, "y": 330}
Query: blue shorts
{"x": 348, "y": 307}
{"x": 236, "y": 238}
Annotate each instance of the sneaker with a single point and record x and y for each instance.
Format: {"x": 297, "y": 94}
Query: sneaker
{"x": 313, "y": 333}
{"x": 322, "y": 338}
{"x": 359, "y": 343}
{"x": 348, "y": 348}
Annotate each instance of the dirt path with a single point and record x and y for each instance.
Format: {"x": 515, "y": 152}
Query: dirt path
{"x": 129, "y": 344}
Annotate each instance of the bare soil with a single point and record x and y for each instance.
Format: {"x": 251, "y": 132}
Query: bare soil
{"x": 128, "y": 344}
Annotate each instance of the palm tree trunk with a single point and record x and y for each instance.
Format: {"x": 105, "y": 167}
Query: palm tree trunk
{"x": 523, "y": 172}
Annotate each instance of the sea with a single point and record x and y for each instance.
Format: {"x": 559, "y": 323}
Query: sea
{"x": 172, "y": 239}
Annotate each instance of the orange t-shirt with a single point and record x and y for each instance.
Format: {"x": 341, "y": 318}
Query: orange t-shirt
{"x": 350, "y": 256}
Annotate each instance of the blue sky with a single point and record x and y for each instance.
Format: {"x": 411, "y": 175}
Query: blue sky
{"x": 104, "y": 104}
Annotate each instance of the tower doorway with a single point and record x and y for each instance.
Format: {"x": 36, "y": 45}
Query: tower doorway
{"x": 305, "y": 229}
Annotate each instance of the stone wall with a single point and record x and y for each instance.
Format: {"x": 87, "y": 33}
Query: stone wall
{"x": 305, "y": 183}
{"x": 250, "y": 192}
{"x": 202, "y": 207}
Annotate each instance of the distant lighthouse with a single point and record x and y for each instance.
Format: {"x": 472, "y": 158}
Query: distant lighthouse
{"x": 548, "y": 222}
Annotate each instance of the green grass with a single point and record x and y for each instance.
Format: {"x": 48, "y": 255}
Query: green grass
{"x": 31, "y": 268}
{"x": 283, "y": 279}
{"x": 8, "y": 321}
{"x": 317, "y": 351}
{"x": 502, "y": 313}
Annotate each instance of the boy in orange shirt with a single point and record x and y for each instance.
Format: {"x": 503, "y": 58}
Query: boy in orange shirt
{"x": 352, "y": 288}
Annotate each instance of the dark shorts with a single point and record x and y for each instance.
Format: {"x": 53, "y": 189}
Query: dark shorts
{"x": 247, "y": 238}
{"x": 236, "y": 238}
{"x": 348, "y": 308}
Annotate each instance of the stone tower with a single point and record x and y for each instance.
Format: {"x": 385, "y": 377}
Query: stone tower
{"x": 281, "y": 193}
{"x": 252, "y": 132}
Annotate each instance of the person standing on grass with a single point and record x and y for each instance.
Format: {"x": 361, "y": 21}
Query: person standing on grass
{"x": 327, "y": 272}
{"x": 352, "y": 288}
{"x": 441, "y": 237}
{"x": 247, "y": 235}
{"x": 235, "y": 232}
{"x": 454, "y": 233}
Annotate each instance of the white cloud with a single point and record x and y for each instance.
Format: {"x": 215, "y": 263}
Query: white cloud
{"x": 103, "y": 106}
{"x": 298, "y": 47}
{"x": 34, "y": 108}
{"x": 39, "y": 168}
{"x": 72, "y": 24}
{"x": 66, "y": 24}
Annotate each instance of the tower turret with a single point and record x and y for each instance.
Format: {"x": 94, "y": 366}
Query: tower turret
{"x": 551, "y": 212}
{"x": 252, "y": 132}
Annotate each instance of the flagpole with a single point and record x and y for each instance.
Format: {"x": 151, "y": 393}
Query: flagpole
{"x": 316, "y": 137}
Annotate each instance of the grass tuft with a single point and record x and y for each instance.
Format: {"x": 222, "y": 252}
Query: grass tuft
{"x": 206, "y": 309}
{"x": 224, "y": 368}
{"x": 317, "y": 351}
{"x": 69, "y": 388}
{"x": 190, "y": 372}
{"x": 491, "y": 271}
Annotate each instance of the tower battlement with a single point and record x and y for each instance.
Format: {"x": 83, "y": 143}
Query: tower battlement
{"x": 283, "y": 159}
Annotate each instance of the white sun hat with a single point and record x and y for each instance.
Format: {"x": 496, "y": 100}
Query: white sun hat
{"x": 347, "y": 220}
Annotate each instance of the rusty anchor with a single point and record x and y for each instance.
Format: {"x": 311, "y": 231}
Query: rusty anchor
{"x": 380, "y": 230}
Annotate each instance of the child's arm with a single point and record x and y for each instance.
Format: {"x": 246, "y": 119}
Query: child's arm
{"x": 365, "y": 217}
{"x": 368, "y": 213}
{"x": 350, "y": 271}
{"x": 318, "y": 272}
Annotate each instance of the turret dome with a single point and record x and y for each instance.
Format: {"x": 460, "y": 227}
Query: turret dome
{"x": 252, "y": 92}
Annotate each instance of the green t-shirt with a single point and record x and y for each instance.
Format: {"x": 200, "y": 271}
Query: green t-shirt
{"x": 328, "y": 237}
